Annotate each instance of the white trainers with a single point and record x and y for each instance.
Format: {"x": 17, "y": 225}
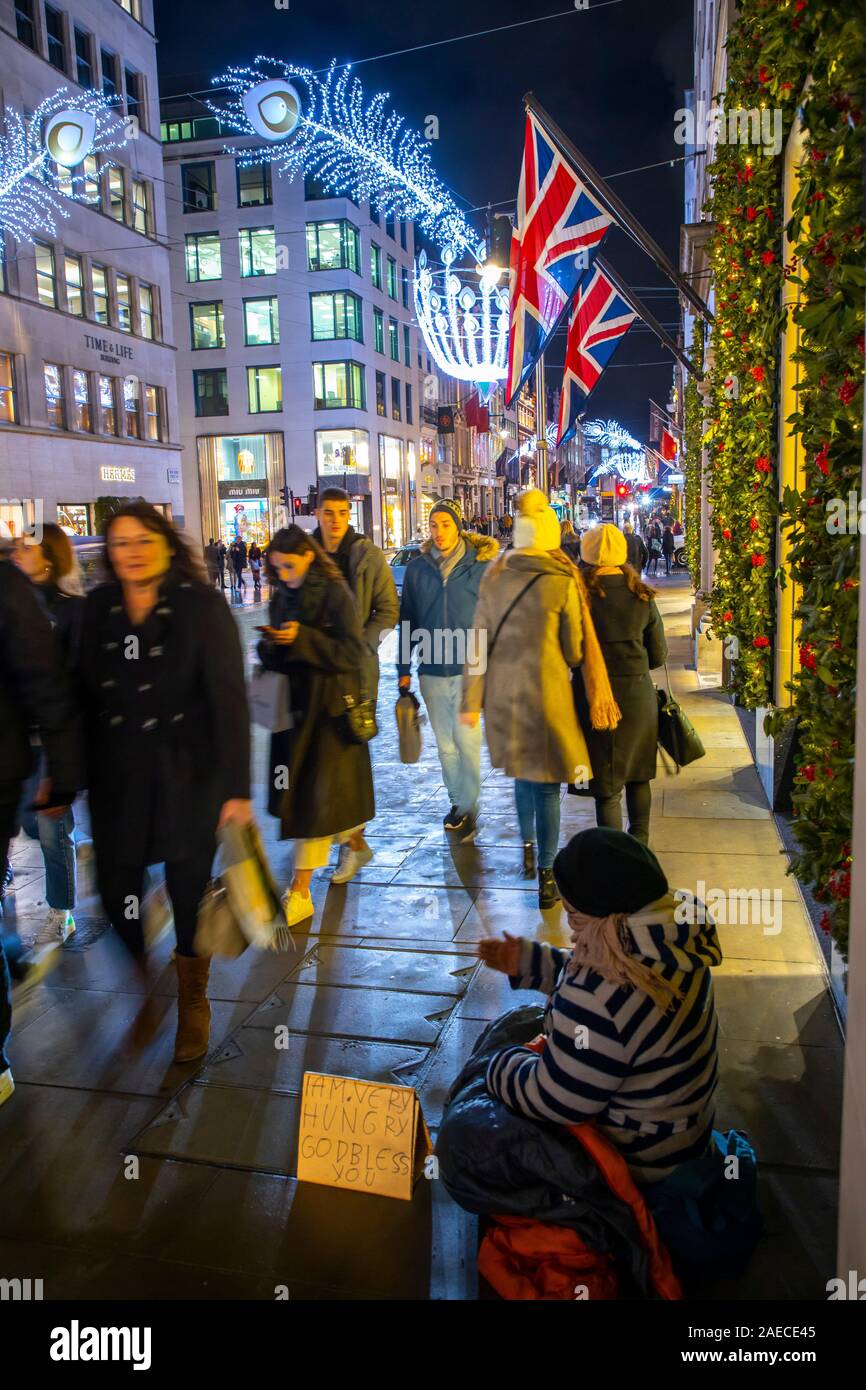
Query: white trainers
{"x": 297, "y": 907}
{"x": 351, "y": 860}
{"x": 7, "y": 1085}
{"x": 57, "y": 928}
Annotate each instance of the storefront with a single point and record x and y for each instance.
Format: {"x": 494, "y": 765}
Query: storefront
{"x": 343, "y": 460}
{"x": 396, "y": 525}
{"x": 240, "y": 478}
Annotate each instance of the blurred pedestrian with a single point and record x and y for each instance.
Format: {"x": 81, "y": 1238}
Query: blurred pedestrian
{"x": 221, "y": 561}
{"x": 368, "y": 575}
{"x": 238, "y": 559}
{"x": 636, "y": 552}
{"x": 570, "y": 541}
{"x": 668, "y": 547}
{"x": 51, "y": 567}
{"x": 654, "y": 546}
{"x": 254, "y": 556}
{"x": 632, "y": 638}
{"x": 440, "y": 591}
{"x": 211, "y": 559}
{"x": 321, "y": 782}
{"x": 168, "y": 753}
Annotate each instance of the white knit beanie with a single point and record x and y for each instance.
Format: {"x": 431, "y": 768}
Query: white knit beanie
{"x": 536, "y": 527}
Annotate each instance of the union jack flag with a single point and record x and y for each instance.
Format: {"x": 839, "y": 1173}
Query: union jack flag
{"x": 599, "y": 320}
{"x": 560, "y": 225}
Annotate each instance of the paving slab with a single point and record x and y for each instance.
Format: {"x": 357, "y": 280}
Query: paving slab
{"x": 726, "y": 872}
{"x": 767, "y": 1088}
{"x": 496, "y": 910}
{"x": 669, "y": 832}
{"x": 463, "y": 866}
{"x": 714, "y": 805}
{"x": 226, "y": 1126}
{"x": 445, "y": 1065}
{"x": 775, "y": 1002}
{"x": 393, "y": 911}
{"x": 252, "y": 1058}
{"x": 386, "y": 969}
{"x": 373, "y": 1014}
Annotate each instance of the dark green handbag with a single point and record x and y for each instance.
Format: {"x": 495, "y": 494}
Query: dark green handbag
{"x": 358, "y": 719}
{"x": 677, "y": 735}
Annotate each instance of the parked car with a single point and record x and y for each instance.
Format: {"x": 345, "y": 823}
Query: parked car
{"x": 399, "y": 559}
{"x": 680, "y": 558}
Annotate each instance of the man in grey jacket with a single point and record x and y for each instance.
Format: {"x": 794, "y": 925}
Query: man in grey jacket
{"x": 368, "y": 575}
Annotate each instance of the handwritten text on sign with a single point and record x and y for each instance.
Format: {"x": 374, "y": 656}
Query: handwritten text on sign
{"x": 358, "y": 1134}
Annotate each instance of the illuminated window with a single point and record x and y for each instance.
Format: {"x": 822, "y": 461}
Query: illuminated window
{"x": 74, "y": 286}
{"x": 261, "y": 321}
{"x": 333, "y": 246}
{"x": 46, "y": 275}
{"x": 376, "y": 265}
{"x": 88, "y": 189}
{"x": 146, "y": 312}
{"x": 336, "y": 315}
{"x": 265, "y": 389}
{"x": 203, "y": 258}
{"x": 81, "y": 403}
{"x": 394, "y": 339}
{"x": 392, "y": 278}
{"x": 379, "y": 330}
{"x": 153, "y": 413}
{"x": 337, "y": 385}
{"x": 131, "y": 415}
{"x": 107, "y": 407}
{"x": 99, "y": 280}
{"x": 407, "y": 345}
{"x": 141, "y": 206}
{"x": 381, "y": 385}
{"x": 8, "y": 405}
{"x": 116, "y": 199}
{"x": 124, "y": 302}
{"x": 258, "y": 251}
{"x": 207, "y": 329}
{"x": 54, "y": 402}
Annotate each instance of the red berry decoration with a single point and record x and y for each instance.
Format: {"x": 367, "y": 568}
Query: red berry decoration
{"x": 758, "y": 561}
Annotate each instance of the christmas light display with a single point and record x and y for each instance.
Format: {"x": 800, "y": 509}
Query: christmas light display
{"x": 41, "y": 159}
{"x": 328, "y": 131}
{"x": 610, "y": 434}
{"x": 464, "y": 324}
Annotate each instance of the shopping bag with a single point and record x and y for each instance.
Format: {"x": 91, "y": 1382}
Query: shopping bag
{"x": 270, "y": 706}
{"x": 250, "y": 887}
{"x": 408, "y": 726}
{"x": 217, "y": 931}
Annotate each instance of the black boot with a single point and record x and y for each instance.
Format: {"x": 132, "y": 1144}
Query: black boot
{"x": 548, "y": 893}
{"x": 528, "y": 859}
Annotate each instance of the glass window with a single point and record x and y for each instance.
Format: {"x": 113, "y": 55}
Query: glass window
{"x": 315, "y": 189}
{"x": 123, "y": 290}
{"x": 134, "y": 104}
{"x": 46, "y": 284}
{"x": 107, "y": 408}
{"x": 394, "y": 339}
{"x": 153, "y": 426}
{"x": 389, "y": 225}
{"x": 392, "y": 278}
{"x": 81, "y": 402}
{"x": 403, "y": 235}
{"x": 396, "y": 407}
{"x": 146, "y": 315}
{"x": 407, "y": 345}
{"x": 203, "y": 258}
{"x": 265, "y": 389}
{"x": 132, "y": 7}
{"x": 54, "y": 402}
{"x": 376, "y": 265}
{"x": 74, "y": 286}
{"x": 198, "y": 182}
{"x": 141, "y": 206}
{"x": 88, "y": 189}
{"x": 258, "y": 251}
{"x": 116, "y": 201}
{"x": 333, "y": 246}
{"x": 211, "y": 392}
{"x": 338, "y": 384}
{"x": 340, "y": 452}
{"x": 336, "y": 315}
{"x": 261, "y": 321}
{"x": 380, "y": 393}
{"x": 8, "y": 410}
{"x": 131, "y": 416}
{"x": 409, "y": 419}
{"x": 99, "y": 280}
{"x": 109, "y": 75}
{"x": 379, "y": 330}
{"x": 254, "y": 185}
{"x": 404, "y": 283}
{"x": 25, "y": 23}
{"x": 206, "y": 325}
{"x": 83, "y": 59}
{"x": 54, "y": 34}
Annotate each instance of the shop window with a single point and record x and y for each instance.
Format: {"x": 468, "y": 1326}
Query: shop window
{"x": 8, "y": 401}
{"x": 46, "y": 274}
{"x": 258, "y": 251}
{"x": 254, "y": 185}
{"x": 123, "y": 293}
{"x": 203, "y": 257}
{"x": 211, "y": 392}
{"x": 74, "y": 276}
{"x": 55, "y": 404}
{"x": 207, "y": 329}
{"x": 336, "y": 315}
{"x": 342, "y": 452}
{"x": 74, "y": 518}
{"x": 99, "y": 281}
{"x": 82, "y": 405}
{"x": 261, "y": 322}
{"x": 198, "y": 183}
{"x": 265, "y": 389}
{"x": 107, "y": 407}
{"x": 337, "y": 385}
{"x": 333, "y": 246}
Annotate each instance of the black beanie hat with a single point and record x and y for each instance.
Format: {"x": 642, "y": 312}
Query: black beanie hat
{"x": 452, "y": 507}
{"x": 604, "y": 871}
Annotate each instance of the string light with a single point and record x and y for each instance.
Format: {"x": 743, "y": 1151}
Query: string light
{"x": 464, "y": 328}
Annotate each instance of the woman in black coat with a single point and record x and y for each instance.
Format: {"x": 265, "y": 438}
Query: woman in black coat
{"x": 321, "y": 782}
{"x": 632, "y": 638}
{"x": 668, "y": 547}
{"x": 167, "y": 739}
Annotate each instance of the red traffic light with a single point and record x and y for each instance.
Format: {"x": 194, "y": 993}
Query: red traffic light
{"x": 297, "y": 504}
{"x": 622, "y": 489}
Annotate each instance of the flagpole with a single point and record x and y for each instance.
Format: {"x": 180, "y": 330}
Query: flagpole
{"x": 616, "y": 207}
{"x": 642, "y": 312}
{"x": 541, "y": 428}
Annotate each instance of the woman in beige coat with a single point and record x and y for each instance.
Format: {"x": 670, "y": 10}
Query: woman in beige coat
{"x": 531, "y": 610}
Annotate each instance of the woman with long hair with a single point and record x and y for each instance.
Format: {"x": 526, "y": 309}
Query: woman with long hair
{"x": 168, "y": 753}
{"x": 632, "y": 638}
{"x": 52, "y": 569}
{"x": 321, "y": 783}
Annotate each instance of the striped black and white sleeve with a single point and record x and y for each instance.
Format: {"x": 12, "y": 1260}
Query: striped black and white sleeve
{"x": 540, "y": 967}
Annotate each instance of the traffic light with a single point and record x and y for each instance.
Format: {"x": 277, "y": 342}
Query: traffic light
{"x": 286, "y": 497}
{"x": 622, "y": 490}
{"x": 297, "y": 506}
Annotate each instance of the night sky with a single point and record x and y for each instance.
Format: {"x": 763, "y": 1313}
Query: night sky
{"x": 612, "y": 76}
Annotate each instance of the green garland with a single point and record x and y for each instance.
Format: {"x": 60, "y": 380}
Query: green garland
{"x": 693, "y": 430}
{"x": 828, "y": 225}
{"x": 767, "y": 49}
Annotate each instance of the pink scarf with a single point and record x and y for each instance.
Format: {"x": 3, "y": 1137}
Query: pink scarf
{"x": 601, "y": 944}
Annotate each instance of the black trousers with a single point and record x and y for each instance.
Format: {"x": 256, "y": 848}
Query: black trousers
{"x": 121, "y": 887}
{"x": 638, "y": 801}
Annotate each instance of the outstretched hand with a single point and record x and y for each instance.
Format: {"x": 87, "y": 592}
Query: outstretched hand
{"x": 502, "y": 954}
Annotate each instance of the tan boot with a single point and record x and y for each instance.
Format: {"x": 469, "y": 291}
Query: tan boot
{"x": 193, "y": 1009}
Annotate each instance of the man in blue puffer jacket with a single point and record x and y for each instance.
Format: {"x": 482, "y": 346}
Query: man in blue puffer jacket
{"x": 440, "y": 590}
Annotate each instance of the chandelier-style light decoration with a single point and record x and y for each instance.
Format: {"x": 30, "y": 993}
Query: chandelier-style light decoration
{"x": 609, "y": 434}
{"x": 39, "y": 158}
{"x": 621, "y": 453}
{"x": 464, "y": 322}
{"x": 324, "y": 128}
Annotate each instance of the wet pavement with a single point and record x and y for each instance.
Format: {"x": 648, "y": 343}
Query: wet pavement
{"x": 126, "y": 1176}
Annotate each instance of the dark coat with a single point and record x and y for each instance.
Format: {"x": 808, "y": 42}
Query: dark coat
{"x": 330, "y": 781}
{"x": 632, "y": 639}
{"x": 430, "y": 606}
{"x": 34, "y": 694}
{"x": 637, "y": 554}
{"x": 668, "y": 546}
{"x": 167, "y": 730}
{"x": 369, "y": 576}
{"x": 238, "y": 555}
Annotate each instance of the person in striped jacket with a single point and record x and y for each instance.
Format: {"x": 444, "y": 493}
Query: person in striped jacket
{"x": 630, "y": 1030}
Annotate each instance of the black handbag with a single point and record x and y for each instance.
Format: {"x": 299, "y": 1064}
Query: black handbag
{"x": 677, "y": 735}
{"x": 358, "y": 719}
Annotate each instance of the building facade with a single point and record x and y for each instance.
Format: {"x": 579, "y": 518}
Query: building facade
{"x": 88, "y": 409}
{"x": 298, "y": 357}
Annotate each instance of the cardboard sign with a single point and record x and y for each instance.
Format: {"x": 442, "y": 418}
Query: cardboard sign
{"x": 361, "y": 1135}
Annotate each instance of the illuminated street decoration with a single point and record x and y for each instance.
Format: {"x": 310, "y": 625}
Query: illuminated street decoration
{"x": 324, "y": 128}
{"x": 464, "y": 322}
{"x": 40, "y": 159}
{"x": 621, "y": 454}
{"x": 610, "y": 434}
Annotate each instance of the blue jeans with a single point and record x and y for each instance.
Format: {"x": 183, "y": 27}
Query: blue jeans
{"x": 538, "y": 808}
{"x": 459, "y": 746}
{"x": 58, "y": 847}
